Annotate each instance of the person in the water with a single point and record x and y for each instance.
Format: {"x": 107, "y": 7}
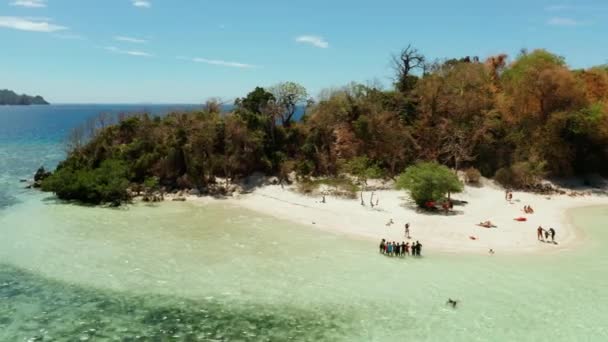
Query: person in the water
{"x": 452, "y": 302}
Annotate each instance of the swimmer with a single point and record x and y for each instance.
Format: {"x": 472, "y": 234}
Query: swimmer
{"x": 452, "y": 302}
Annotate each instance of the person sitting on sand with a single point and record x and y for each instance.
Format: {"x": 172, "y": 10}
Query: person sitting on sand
{"x": 491, "y": 251}
{"x": 487, "y": 224}
{"x": 390, "y": 223}
{"x": 546, "y": 235}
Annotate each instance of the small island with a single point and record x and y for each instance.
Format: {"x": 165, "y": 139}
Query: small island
{"x": 10, "y": 98}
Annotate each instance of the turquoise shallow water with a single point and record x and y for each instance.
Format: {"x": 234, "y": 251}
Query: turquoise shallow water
{"x": 198, "y": 272}
{"x": 188, "y": 272}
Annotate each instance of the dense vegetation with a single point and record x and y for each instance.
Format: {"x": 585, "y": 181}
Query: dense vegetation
{"x": 517, "y": 121}
{"x": 8, "y": 97}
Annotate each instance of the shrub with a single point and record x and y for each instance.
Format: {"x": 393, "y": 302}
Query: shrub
{"x": 521, "y": 174}
{"x": 106, "y": 184}
{"x": 472, "y": 175}
{"x": 428, "y": 182}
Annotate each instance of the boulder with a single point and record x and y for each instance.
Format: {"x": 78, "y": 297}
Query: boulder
{"x": 273, "y": 180}
{"x": 41, "y": 175}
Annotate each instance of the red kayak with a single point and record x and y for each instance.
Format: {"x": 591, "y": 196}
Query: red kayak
{"x": 521, "y": 219}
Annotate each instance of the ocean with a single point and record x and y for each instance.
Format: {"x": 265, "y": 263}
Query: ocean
{"x": 216, "y": 272}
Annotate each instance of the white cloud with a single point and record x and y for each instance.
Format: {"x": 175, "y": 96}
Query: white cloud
{"x": 130, "y": 39}
{"x": 561, "y": 21}
{"x": 30, "y": 24}
{"x": 128, "y": 52}
{"x": 141, "y": 3}
{"x": 218, "y": 62}
{"x": 29, "y": 3}
{"x": 319, "y": 42}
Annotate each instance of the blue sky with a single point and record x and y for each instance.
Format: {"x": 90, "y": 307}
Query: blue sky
{"x": 184, "y": 51}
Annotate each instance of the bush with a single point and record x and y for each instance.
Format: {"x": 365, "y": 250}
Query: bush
{"x": 428, "y": 182}
{"x": 106, "y": 184}
{"x": 472, "y": 175}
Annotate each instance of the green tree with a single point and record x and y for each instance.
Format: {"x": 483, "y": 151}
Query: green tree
{"x": 288, "y": 95}
{"x": 428, "y": 181}
{"x": 363, "y": 169}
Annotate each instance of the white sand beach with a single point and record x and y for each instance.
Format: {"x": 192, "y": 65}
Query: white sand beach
{"x": 436, "y": 231}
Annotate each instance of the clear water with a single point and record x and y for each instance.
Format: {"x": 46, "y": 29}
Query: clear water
{"x": 187, "y": 272}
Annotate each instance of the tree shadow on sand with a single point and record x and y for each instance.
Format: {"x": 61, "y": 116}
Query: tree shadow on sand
{"x": 437, "y": 211}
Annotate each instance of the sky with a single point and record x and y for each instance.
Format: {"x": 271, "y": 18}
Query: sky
{"x": 186, "y": 51}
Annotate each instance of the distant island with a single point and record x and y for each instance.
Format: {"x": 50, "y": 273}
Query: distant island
{"x": 10, "y": 98}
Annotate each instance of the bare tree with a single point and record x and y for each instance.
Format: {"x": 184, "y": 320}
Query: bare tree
{"x": 404, "y": 63}
{"x": 458, "y": 146}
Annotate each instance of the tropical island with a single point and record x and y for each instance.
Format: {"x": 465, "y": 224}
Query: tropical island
{"x": 445, "y": 123}
{"x": 10, "y": 98}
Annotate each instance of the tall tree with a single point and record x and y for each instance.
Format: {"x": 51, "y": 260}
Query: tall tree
{"x": 404, "y": 63}
{"x": 288, "y": 96}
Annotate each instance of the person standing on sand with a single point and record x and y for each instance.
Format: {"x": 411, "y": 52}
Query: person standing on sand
{"x": 539, "y": 233}
{"x": 407, "y": 231}
{"x": 552, "y": 232}
{"x": 418, "y": 248}
{"x": 403, "y": 248}
{"x": 382, "y": 246}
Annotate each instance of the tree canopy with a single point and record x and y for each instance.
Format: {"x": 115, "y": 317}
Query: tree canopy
{"x": 428, "y": 181}
{"x": 515, "y": 120}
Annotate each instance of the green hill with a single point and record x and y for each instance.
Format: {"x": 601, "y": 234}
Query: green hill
{"x": 9, "y": 97}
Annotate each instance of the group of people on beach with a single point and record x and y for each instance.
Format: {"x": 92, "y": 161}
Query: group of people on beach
{"x": 544, "y": 234}
{"x": 396, "y": 249}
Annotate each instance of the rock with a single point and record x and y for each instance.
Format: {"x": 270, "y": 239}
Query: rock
{"x": 179, "y": 199}
{"x": 23, "y": 180}
{"x": 41, "y": 175}
{"x": 273, "y": 180}
{"x": 194, "y": 192}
